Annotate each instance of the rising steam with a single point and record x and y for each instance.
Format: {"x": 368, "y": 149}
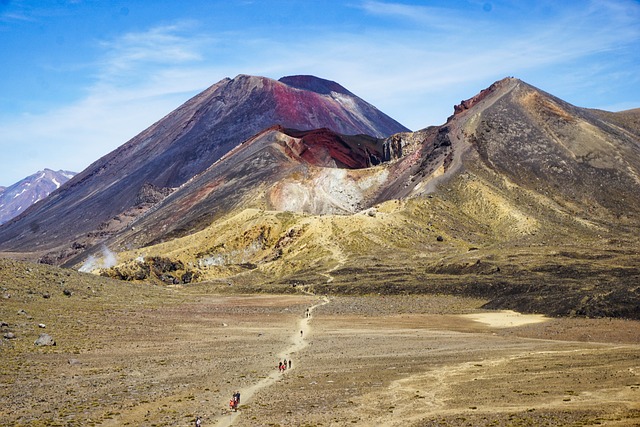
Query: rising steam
{"x": 92, "y": 263}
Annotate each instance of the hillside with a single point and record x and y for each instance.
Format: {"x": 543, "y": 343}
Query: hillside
{"x": 125, "y": 183}
{"x": 520, "y": 198}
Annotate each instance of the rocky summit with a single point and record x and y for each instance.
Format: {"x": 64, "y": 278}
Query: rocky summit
{"x": 519, "y": 198}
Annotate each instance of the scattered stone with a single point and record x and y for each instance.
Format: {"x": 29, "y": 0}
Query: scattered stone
{"x": 6, "y": 296}
{"x": 3, "y": 324}
{"x": 22, "y": 312}
{"x": 74, "y": 362}
{"x": 10, "y": 335}
{"x": 45, "y": 340}
{"x": 42, "y": 325}
{"x": 67, "y": 292}
{"x": 46, "y": 295}
{"x": 440, "y": 238}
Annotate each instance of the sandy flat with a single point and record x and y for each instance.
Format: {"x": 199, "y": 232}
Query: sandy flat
{"x": 506, "y": 318}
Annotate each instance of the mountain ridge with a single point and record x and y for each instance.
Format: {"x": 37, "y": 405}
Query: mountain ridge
{"x": 475, "y": 206}
{"x": 18, "y": 197}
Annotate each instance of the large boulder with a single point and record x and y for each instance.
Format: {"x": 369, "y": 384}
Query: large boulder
{"x": 45, "y": 340}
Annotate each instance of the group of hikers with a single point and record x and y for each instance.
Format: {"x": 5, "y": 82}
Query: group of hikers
{"x": 235, "y": 401}
{"x": 233, "y": 405}
{"x": 282, "y": 366}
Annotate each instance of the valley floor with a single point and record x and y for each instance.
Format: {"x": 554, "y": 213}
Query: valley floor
{"x": 164, "y": 358}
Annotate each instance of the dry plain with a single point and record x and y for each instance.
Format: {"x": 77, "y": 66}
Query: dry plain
{"x": 143, "y": 355}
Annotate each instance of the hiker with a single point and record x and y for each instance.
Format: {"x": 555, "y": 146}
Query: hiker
{"x": 300, "y": 333}
{"x": 284, "y": 365}
{"x": 235, "y": 401}
{"x": 198, "y": 422}
{"x": 289, "y": 363}
{"x": 280, "y": 366}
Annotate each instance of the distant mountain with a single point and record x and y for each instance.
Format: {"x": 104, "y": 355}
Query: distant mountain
{"x": 120, "y": 186}
{"x": 17, "y": 198}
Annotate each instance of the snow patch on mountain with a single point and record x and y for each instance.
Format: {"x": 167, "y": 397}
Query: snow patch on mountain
{"x": 18, "y": 197}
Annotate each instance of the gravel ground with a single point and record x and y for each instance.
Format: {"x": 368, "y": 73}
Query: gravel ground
{"x": 132, "y": 355}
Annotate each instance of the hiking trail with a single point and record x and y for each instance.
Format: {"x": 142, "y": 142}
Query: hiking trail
{"x": 298, "y": 342}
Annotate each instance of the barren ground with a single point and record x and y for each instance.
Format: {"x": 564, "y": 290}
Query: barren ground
{"x": 145, "y": 355}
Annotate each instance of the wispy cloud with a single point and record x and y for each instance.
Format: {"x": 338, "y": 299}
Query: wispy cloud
{"x": 417, "y": 62}
{"x": 7, "y": 17}
{"x": 139, "y": 78}
{"x": 14, "y": 12}
{"x": 160, "y": 46}
{"x": 439, "y": 18}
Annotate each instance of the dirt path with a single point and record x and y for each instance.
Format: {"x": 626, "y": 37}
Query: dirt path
{"x": 298, "y": 342}
{"x": 337, "y": 254}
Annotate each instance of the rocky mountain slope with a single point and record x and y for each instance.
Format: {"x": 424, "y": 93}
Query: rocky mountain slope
{"x": 519, "y": 197}
{"x": 120, "y": 186}
{"x": 24, "y": 193}
{"x": 318, "y": 172}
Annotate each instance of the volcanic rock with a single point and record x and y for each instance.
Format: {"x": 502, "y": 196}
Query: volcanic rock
{"x": 520, "y": 175}
{"x": 45, "y": 340}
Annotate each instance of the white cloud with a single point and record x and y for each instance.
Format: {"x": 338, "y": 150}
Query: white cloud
{"x": 438, "y": 18}
{"x": 170, "y": 45}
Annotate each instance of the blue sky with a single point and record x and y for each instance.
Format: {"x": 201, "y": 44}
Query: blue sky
{"x": 80, "y": 78}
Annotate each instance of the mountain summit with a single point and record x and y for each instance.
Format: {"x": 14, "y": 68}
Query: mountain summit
{"x": 24, "y": 193}
{"x": 125, "y": 182}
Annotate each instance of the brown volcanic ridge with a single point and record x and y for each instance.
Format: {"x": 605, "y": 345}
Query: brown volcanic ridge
{"x": 519, "y": 198}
